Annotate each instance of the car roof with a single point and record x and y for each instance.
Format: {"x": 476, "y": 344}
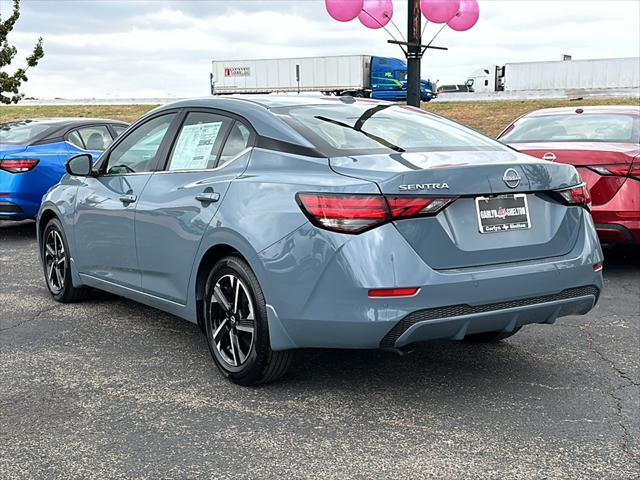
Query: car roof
{"x": 69, "y": 121}
{"x": 57, "y": 127}
{"x": 256, "y": 109}
{"x": 612, "y": 109}
{"x": 228, "y": 102}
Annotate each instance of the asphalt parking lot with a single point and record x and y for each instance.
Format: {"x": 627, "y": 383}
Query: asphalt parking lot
{"x": 112, "y": 389}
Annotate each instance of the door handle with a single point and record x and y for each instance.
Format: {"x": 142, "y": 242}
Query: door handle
{"x": 208, "y": 197}
{"x": 128, "y": 198}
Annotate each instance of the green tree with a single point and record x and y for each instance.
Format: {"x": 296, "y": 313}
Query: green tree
{"x": 10, "y": 83}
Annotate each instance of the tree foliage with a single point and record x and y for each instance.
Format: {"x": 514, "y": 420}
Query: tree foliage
{"x": 10, "y": 83}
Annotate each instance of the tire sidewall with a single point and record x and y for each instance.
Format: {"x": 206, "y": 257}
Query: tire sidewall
{"x": 54, "y": 224}
{"x": 253, "y": 367}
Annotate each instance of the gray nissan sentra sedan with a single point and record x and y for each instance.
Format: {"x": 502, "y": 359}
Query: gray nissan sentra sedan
{"x": 278, "y": 223}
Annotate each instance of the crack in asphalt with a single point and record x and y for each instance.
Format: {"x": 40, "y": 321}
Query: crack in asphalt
{"x": 626, "y": 434}
{"x": 32, "y": 318}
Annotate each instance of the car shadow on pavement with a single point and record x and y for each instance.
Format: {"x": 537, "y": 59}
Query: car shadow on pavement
{"x": 623, "y": 256}
{"x": 13, "y": 230}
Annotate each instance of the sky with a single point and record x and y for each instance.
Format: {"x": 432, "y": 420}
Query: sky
{"x": 160, "y": 49}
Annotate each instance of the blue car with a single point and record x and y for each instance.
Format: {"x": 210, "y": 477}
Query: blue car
{"x": 279, "y": 223}
{"x": 33, "y": 154}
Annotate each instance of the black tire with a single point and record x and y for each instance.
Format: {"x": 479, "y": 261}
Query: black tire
{"x": 241, "y": 349}
{"x": 57, "y": 265}
{"x": 488, "y": 337}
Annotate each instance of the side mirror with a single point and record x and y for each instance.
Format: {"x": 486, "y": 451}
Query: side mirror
{"x": 80, "y": 165}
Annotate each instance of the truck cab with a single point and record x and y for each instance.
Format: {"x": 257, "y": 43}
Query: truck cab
{"x": 389, "y": 80}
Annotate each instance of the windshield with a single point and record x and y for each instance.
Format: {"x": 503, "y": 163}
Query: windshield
{"x": 615, "y": 128}
{"x": 21, "y": 133}
{"x": 362, "y": 128}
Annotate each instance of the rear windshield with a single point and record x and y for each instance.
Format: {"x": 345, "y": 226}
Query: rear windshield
{"x": 363, "y": 128}
{"x": 22, "y": 133}
{"x": 590, "y": 127}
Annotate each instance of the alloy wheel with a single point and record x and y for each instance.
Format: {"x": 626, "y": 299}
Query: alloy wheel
{"x": 55, "y": 261}
{"x": 232, "y": 320}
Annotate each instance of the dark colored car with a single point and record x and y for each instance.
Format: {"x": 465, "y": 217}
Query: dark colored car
{"x": 454, "y": 89}
{"x": 603, "y": 143}
{"x": 33, "y": 154}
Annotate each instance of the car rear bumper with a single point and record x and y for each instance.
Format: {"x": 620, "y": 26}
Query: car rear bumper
{"x": 16, "y": 199}
{"x": 618, "y": 220}
{"x": 619, "y": 233}
{"x": 455, "y": 322}
{"x": 331, "y": 307}
{"x": 11, "y": 211}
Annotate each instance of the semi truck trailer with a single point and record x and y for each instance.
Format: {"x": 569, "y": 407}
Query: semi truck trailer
{"x": 607, "y": 73}
{"x": 382, "y": 78}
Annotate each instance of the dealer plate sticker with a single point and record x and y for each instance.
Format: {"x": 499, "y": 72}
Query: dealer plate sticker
{"x": 503, "y": 213}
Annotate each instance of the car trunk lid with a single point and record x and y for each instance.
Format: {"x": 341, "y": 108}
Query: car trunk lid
{"x": 604, "y": 167}
{"x": 452, "y": 239}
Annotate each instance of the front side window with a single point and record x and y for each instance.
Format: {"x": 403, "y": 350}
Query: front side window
{"x": 137, "y": 152}
{"x": 199, "y": 142}
{"x": 362, "y": 128}
{"x": 95, "y": 138}
{"x": 586, "y": 127}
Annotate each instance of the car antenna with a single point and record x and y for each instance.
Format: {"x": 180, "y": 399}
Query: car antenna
{"x": 347, "y": 99}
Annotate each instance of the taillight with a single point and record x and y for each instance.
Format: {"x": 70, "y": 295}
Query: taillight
{"x": 18, "y": 165}
{"x": 618, "y": 170}
{"x": 355, "y": 213}
{"x": 624, "y": 170}
{"x": 578, "y": 195}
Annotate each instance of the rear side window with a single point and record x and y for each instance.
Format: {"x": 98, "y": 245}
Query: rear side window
{"x": 199, "y": 141}
{"x": 361, "y": 128}
{"x": 587, "y": 127}
{"x": 237, "y": 141}
{"x": 74, "y": 138}
{"x": 95, "y": 138}
{"x": 118, "y": 129}
{"x": 22, "y": 133}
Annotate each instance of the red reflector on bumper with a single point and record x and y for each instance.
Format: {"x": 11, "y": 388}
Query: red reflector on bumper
{"x": 393, "y": 292}
{"x": 597, "y": 266}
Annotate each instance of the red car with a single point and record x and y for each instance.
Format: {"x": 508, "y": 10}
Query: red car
{"x": 603, "y": 143}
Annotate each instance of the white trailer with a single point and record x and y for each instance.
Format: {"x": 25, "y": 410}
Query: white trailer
{"x": 336, "y": 74}
{"x": 609, "y": 73}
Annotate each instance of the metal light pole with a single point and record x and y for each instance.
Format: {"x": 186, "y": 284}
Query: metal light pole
{"x": 414, "y": 53}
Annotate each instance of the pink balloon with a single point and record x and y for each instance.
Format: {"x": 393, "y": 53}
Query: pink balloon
{"x": 439, "y": 11}
{"x": 343, "y": 10}
{"x": 466, "y": 17}
{"x": 376, "y": 13}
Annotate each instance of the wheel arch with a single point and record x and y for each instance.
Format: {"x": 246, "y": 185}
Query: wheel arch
{"x": 212, "y": 255}
{"x": 45, "y": 216}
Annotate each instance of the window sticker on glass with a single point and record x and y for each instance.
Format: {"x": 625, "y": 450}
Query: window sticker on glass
{"x": 195, "y": 147}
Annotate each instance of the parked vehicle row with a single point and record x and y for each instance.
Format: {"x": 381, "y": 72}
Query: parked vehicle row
{"x": 278, "y": 223}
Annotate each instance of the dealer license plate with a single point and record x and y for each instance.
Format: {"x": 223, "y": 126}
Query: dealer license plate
{"x": 503, "y": 213}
